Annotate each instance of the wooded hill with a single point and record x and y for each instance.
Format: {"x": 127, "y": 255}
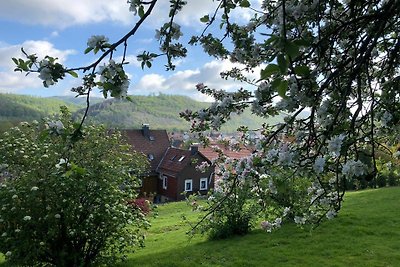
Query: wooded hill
{"x": 161, "y": 112}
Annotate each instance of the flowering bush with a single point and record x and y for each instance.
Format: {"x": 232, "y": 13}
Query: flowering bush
{"x": 142, "y": 204}
{"x": 64, "y": 203}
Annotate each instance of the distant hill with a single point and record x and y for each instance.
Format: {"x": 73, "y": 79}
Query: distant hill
{"x": 79, "y": 101}
{"x": 161, "y": 112}
{"x": 17, "y": 108}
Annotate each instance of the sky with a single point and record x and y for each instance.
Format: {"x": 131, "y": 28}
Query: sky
{"x": 61, "y": 29}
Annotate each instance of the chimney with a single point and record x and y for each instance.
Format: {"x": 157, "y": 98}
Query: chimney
{"x": 194, "y": 148}
{"x": 146, "y": 130}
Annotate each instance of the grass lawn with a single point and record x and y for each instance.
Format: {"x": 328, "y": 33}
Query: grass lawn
{"x": 366, "y": 233}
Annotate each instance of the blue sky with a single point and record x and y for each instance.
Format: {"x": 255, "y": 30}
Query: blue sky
{"x": 61, "y": 28}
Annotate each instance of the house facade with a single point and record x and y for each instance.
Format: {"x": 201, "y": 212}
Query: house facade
{"x": 180, "y": 176}
{"x": 172, "y": 174}
{"x": 153, "y": 144}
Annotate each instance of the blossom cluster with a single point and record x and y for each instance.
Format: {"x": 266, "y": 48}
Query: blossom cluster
{"x": 113, "y": 80}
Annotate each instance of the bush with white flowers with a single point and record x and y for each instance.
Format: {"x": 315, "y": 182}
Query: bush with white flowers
{"x": 64, "y": 203}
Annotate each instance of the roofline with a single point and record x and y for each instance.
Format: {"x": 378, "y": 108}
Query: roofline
{"x": 162, "y": 159}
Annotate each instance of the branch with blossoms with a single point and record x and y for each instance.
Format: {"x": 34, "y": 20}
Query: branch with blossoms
{"x": 111, "y": 77}
{"x": 332, "y": 69}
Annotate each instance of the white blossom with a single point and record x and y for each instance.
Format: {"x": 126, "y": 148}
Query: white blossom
{"x": 96, "y": 41}
{"x": 34, "y": 188}
{"x": 299, "y": 220}
{"x": 319, "y": 165}
{"x": 46, "y": 76}
{"x": 331, "y": 214}
{"x": 335, "y": 144}
{"x": 27, "y": 218}
{"x": 354, "y": 168}
{"x": 386, "y": 118}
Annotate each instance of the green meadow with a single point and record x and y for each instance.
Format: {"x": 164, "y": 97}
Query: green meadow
{"x": 366, "y": 233}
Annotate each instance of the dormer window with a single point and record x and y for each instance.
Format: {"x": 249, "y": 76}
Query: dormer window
{"x": 151, "y": 138}
{"x": 150, "y": 157}
{"x": 181, "y": 158}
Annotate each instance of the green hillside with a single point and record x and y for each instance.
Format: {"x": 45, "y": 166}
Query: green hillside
{"x": 17, "y": 108}
{"x": 161, "y": 112}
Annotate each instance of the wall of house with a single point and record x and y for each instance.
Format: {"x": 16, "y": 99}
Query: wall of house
{"x": 171, "y": 191}
{"x": 190, "y": 172}
{"x": 149, "y": 186}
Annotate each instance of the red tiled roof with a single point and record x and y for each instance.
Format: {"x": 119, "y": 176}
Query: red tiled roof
{"x": 156, "y": 143}
{"x": 210, "y": 154}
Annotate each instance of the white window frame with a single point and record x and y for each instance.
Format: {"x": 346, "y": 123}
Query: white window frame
{"x": 205, "y": 180}
{"x": 189, "y": 181}
{"x": 165, "y": 182}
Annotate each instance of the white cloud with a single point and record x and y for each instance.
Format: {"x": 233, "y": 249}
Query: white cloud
{"x": 64, "y": 13}
{"x": 184, "y": 82}
{"x": 11, "y": 81}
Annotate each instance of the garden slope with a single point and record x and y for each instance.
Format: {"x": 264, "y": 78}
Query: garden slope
{"x": 366, "y": 233}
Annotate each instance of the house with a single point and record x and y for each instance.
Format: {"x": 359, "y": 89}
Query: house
{"x": 172, "y": 171}
{"x": 152, "y": 143}
{"x": 180, "y": 176}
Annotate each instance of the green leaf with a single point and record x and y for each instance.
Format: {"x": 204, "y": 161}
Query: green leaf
{"x": 87, "y": 50}
{"x": 73, "y": 74}
{"x": 205, "y": 19}
{"x": 283, "y": 65}
{"x": 141, "y": 11}
{"x": 15, "y": 60}
{"x": 301, "y": 42}
{"x": 302, "y": 71}
{"x": 292, "y": 49}
{"x": 275, "y": 83}
{"x": 282, "y": 88}
{"x": 245, "y": 3}
{"x": 148, "y": 64}
{"x": 129, "y": 99}
{"x": 272, "y": 39}
{"x": 269, "y": 70}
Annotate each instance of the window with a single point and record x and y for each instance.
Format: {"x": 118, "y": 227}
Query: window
{"x": 150, "y": 157}
{"x": 181, "y": 158}
{"x": 188, "y": 185}
{"x": 165, "y": 182}
{"x": 203, "y": 183}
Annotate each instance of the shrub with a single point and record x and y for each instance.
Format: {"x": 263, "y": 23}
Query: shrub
{"x": 65, "y": 203}
{"x": 142, "y": 204}
{"x": 381, "y": 180}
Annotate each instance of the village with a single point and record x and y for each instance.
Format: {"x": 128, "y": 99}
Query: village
{"x": 174, "y": 171}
